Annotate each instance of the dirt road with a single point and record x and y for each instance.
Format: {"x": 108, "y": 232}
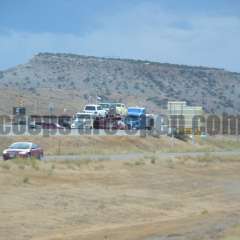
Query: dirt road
{"x": 146, "y": 199}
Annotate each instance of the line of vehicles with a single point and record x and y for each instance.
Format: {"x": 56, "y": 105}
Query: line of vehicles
{"x": 112, "y": 116}
{"x": 93, "y": 116}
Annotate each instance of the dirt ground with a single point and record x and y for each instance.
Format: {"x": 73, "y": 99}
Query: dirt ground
{"x": 148, "y": 199}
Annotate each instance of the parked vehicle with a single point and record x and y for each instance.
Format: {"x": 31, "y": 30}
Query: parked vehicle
{"x": 83, "y": 121}
{"x": 23, "y": 150}
{"x": 50, "y": 121}
{"x": 108, "y": 107}
{"x": 120, "y": 124}
{"x": 136, "y": 118}
{"x": 150, "y": 121}
{"x": 65, "y": 121}
{"x": 45, "y": 125}
{"x": 34, "y": 125}
{"x": 110, "y": 122}
{"x": 96, "y": 110}
{"x": 120, "y": 109}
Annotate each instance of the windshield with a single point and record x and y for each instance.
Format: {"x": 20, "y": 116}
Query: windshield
{"x": 20, "y": 146}
{"x": 99, "y": 108}
{"x": 83, "y": 116}
{"x": 132, "y": 118}
{"x": 90, "y": 108}
{"x": 105, "y": 105}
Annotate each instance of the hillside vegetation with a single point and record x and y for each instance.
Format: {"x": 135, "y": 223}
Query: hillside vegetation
{"x": 67, "y": 81}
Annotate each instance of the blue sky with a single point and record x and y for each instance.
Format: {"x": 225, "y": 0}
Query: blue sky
{"x": 205, "y": 33}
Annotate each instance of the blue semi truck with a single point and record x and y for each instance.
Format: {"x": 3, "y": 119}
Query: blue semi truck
{"x": 137, "y": 119}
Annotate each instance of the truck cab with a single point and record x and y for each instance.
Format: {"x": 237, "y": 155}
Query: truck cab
{"x": 83, "y": 121}
{"x": 120, "y": 109}
{"x": 136, "y": 118}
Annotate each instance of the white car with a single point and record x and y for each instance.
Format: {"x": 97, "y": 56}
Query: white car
{"x": 96, "y": 110}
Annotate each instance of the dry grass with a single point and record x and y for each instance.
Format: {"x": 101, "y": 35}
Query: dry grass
{"x": 232, "y": 234}
{"x": 131, "y": 200}
{"x": 220, "y": 142}
{"x": 93, "y": 145}
{"x": 209, "y": 158}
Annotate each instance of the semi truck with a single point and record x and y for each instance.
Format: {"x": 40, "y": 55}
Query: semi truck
{"x": 136, "y": 118}
{"x": 83, "y": 121}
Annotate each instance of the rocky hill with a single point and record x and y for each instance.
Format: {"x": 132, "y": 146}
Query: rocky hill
{"x": 67, "y": 81}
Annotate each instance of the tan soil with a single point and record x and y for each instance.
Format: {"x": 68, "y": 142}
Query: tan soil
{"x": 119, "y": 200}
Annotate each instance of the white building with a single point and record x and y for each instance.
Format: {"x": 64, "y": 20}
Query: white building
{"x": 185, "y": 118}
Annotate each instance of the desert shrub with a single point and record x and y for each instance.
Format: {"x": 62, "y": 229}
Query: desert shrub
{"x": 140, "y": 162}
{"x": 5, "y": 166}
{"x": 30, "y": 162}
{"x": 26, "y": 180}
{"x": 153, "y": 160}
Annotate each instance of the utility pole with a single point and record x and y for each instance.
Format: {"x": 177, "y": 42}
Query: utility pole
{"x": 50, "y": 108}
{"x": 193, "y": 136}
{"x": 193, "y": 130}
